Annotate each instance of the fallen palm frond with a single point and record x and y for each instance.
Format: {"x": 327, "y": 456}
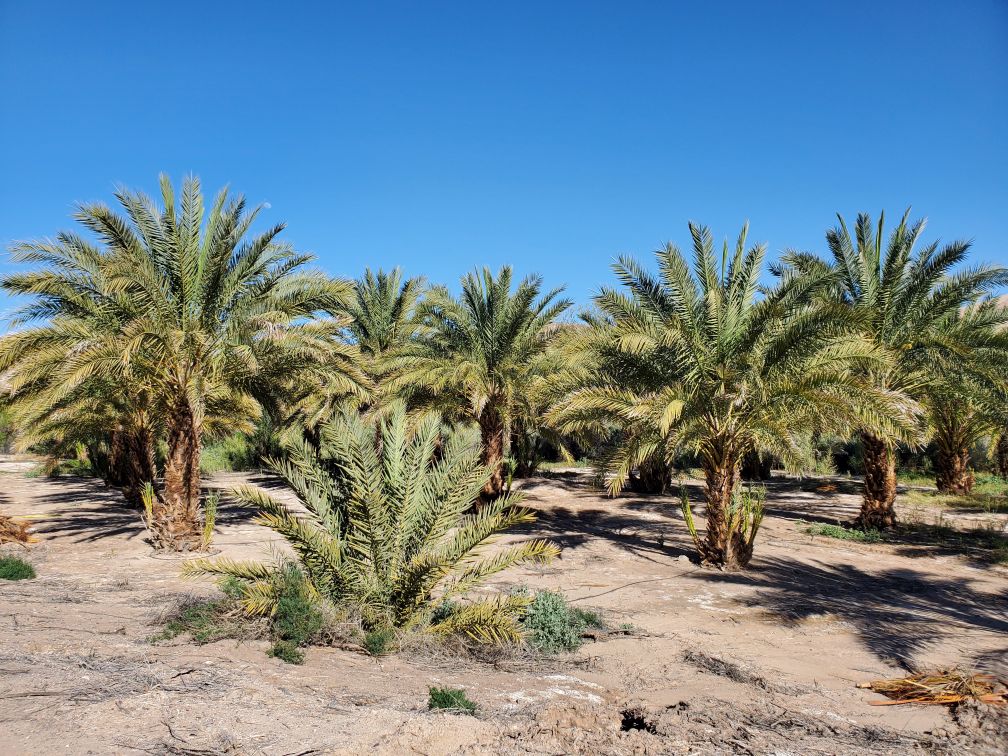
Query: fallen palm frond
{"x": 13, "y": 531}
{"x": 948, "y": 686}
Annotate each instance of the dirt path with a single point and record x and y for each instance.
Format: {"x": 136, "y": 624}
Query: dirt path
{"x": 809, "y": 620}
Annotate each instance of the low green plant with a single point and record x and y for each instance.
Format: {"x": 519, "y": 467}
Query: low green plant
{"x": 380, "y": 642}
{"x": 209, "y": 519}
{"x": 845, "y": 534}
{"x": 450, "y": 699}
{"x": 287, "y": 651}
{"x": 553, "y": 626}
{"x": 386, "y": 524}
{"x": 207, "y": 621}
{"x": 12, "y": 568}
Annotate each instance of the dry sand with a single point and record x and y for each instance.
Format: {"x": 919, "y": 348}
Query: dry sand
{"x": 764, "y": 661}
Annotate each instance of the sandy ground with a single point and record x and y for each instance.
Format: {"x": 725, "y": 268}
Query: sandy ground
{"x": 810, "y": 619}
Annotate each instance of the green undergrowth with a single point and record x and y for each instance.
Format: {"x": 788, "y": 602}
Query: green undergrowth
{"x": 450, "y": 699}
{"x": 12, "y": 568}
{"x": 845, "y": 533}
{"x": 553, "y": 626}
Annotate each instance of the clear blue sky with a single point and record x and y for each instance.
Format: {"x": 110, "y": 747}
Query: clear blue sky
{"x": 551, "y": 136}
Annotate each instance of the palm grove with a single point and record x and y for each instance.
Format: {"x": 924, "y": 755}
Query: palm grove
{"x": 399, "y": 411}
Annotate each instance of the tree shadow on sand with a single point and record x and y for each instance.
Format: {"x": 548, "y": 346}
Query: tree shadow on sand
{"x": 897, "y": 613}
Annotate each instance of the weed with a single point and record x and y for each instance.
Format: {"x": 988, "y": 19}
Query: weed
{"x": 450, "y": 699}
{"x": 12, "y": 568}
{"x": 296, "y": 620}
{"x": 553, "y": 626}
{"x": 206, "y": 621}
{"x": 380, "y": 642}
{"x": 287, "y": 651}
{"x": 845, "y": 534}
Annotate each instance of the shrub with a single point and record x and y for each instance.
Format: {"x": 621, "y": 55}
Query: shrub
{"x": 450, "y": 699}
{"x": 387, "y": 524}
{"x": 207, "y": 621}
{"x": 845, "y": 534}
{"x": 380, "y": 642}
{"x": 12, "y": 568}
{"x": 553, "y": 626}
{"x": 287, "y": 651}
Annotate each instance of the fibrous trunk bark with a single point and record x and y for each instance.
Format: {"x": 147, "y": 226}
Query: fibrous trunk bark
{"x": 756, "y": 466}
{"x": 726, "y": 545}
{"x": 877, "y": 506}
{"x": 653, "y": 476}
{"x": 138, "y": 467}
{"x": 952, "y": 471}
{"x": 176, "y": 514}
{"x": 491, "y": 423}
{"x": 1001, "y": 455}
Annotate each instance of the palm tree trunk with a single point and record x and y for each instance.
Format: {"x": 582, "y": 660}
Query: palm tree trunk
{"x": 177, "y": 521}
{"x": 138, "y": 468}
{"x": 1001, "y": 455}
{"x": 653, "y": 476}
{"x": 877, "y": 510}
{"x": 491, "y": 423}
{"x": 952, "y": 471}
{"x": 724, "y": 546}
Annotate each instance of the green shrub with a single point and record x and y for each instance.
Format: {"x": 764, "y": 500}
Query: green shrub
{"x": 450, "y": 699}
{"x": 380, "y": 642}
{"x": 845, "y": 534}
{"x": 12, "y": 568}
{"x": 296, "y": 619}
{"x": 287, "y": 651}
{"x": 553, "y": 626}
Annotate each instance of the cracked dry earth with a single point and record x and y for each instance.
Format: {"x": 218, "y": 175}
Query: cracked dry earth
{"x": 764, "y": 661}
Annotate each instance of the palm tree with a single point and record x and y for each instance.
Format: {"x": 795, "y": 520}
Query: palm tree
{"x": 472, "y": 353}
{"x": 382, "y": 310}
{"x": 207, "y": 316}
{"x": 906, "y": 302}
{"x": 382, "y": 529}
{"x": 967, "y": 401}
{"x": 80, "y": 307}
{"x": 698, "y": 361}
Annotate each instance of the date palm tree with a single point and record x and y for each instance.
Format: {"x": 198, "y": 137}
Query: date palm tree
{"x": 205, "y": 314}
{"x": 472, "y": 353}
{"x": 696, "y": 360}
{"x": 906, "y": 301}
{"x": 385, "y": 529}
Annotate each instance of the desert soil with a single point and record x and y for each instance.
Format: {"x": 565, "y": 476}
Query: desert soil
{"x": 762, "y": 661}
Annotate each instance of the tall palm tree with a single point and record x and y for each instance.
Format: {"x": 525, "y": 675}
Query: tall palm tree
{"x": 906, "y": 301}
{"x": 699, "y": 361}
{"x": 473, "y": 352}
{"x": 207, "y": 315}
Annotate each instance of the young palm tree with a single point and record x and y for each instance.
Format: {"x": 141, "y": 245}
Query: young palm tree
{"x": 472, "y": 353}
{"x": 385, "y": 530}
{"x": 907, "y": 302}
{"x": 699, "y": 361}
{"x": 204, "y": 314}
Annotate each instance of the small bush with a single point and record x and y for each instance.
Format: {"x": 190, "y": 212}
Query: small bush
{"x": 208, "y": 621}
{"x": 287, "y": 651}
{"x": 845, "y": 534}
{"x": 450, "y": 699}
{"x": 553, "y": 626}
{"x": 296, "y": 620}
{"x": 380, "y": 642}
{"x": 12, "y": 568}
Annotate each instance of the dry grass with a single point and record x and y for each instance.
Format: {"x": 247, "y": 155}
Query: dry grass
{"x": 13, "y": 531}
{"x": 950, "y": 686}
